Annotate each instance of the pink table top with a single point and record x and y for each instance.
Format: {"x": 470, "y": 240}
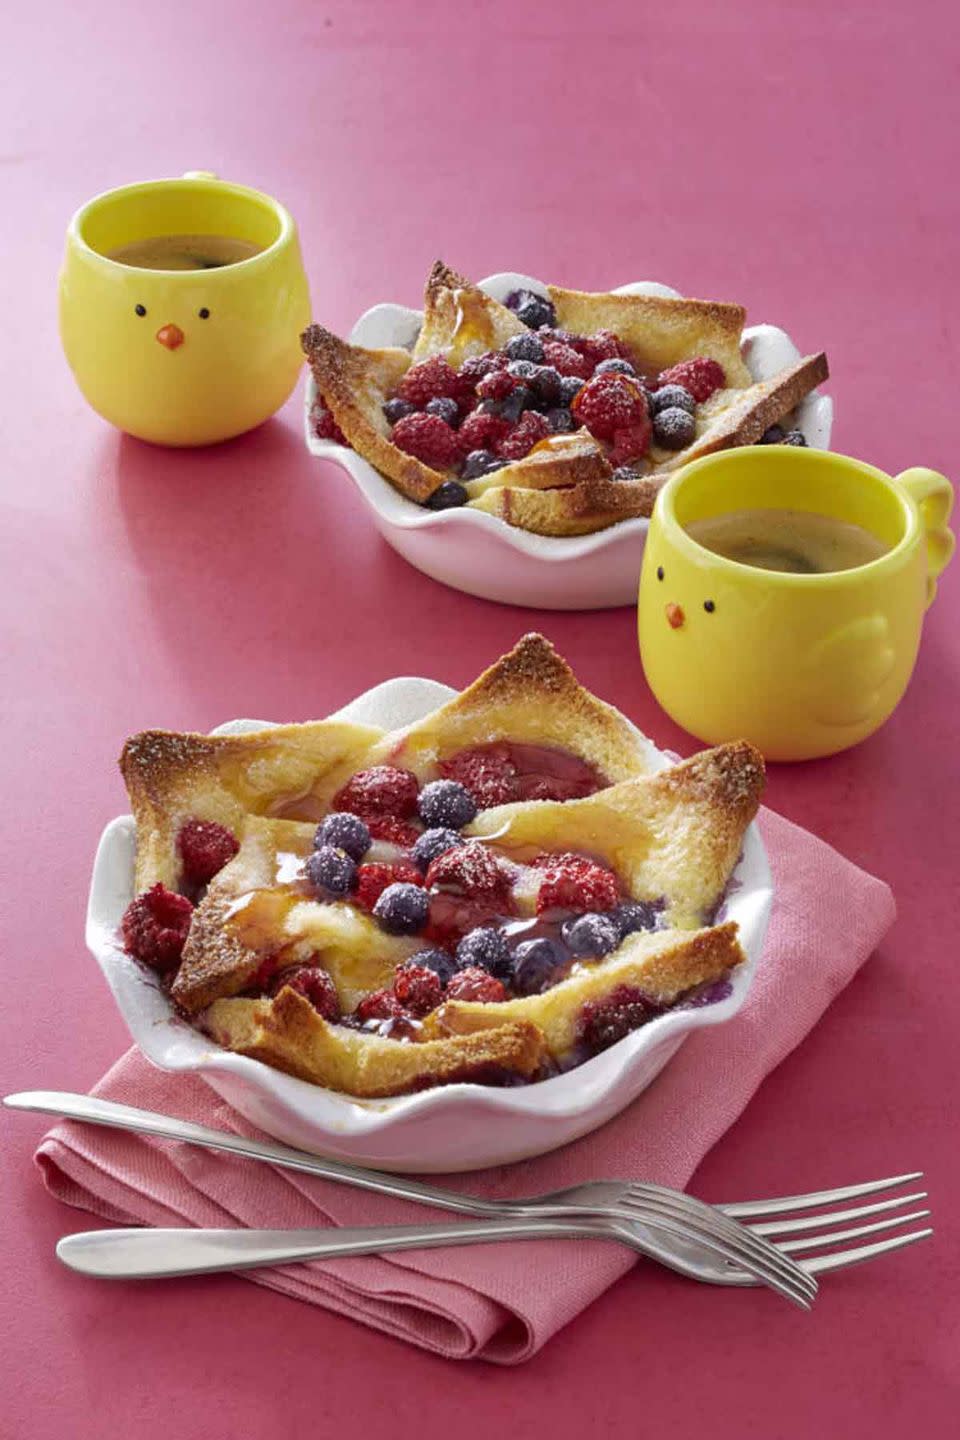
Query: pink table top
{"x": 797, "y": 160}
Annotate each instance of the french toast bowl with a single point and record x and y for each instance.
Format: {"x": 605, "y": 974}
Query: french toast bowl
{"x": 268, "y": 1059}
{"x": 559, "y": 528}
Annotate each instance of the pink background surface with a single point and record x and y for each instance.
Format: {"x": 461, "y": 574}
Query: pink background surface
{"x": 798, "y": 160}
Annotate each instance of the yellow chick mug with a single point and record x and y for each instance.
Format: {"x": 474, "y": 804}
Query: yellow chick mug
{"x": 181, "y": 306}
{"x": 782, "y": 595}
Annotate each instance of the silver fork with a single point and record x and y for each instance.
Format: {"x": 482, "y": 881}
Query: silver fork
{"x": 610, "y": 1200}
{"x": 657, "y": 1217}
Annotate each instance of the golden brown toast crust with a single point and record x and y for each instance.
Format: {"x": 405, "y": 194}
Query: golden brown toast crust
{"x": 529, "y": 695}
{"x": 671, "y": 836}
{"x": 564, "y": 486}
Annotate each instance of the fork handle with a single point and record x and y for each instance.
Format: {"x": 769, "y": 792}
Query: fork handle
{"x": 136, "y": 1254}
{"x": 95, "y": 1111}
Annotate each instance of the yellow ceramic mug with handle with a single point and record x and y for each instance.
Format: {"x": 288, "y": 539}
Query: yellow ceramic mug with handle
{"x": 801, "y": 664}
{"x": 184, "y": 357}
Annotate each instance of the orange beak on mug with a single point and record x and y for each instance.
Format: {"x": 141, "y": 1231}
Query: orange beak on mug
{"x": 171, "y": 336}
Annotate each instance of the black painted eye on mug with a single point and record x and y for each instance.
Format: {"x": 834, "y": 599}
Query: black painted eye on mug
{"x": 709, "y": 606}
{"x": 140, "y": 310}
{"x": 659, "y": 572}
{"x": 204, "y": 313}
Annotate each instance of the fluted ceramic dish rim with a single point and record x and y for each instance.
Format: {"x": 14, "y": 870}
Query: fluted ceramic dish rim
{"x": 333, "y": 1118}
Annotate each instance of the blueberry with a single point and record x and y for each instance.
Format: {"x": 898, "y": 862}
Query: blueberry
{"x": 402, "y": 909}
{"x": 547, "y": 386}
{"x": 447, "y": 409}
{"x": 487, "y": 948}
{"x": 532, "y": 309}
{"x": 794, "y": 437}
{"x": 772, "y": 436}
{"x": 439, "y": 961}
{"x": 570, "y": 385}
{"x": 446, "y": 802}
{"x": 481, "y": 462}
{"x": 395, "y": 410}
{"x": 347, "y": 832}
{"x": 561, "y": 422}
{"x": 524, "y": 370}
{"x": 330, "y": 870}
{"x": 534, "y": 962}
{"x": 617, "y": 367}
{"x": 447, "y": 496}
{"x": 626, "y": 472}
{"x": 673, "y": 428}
{"x": 433, "y": 843}
{"x": 670, "y": 397}
{"x": 513, "y": 407}
{"x": 638, "y": 915}
{"x": 592, "y": 934}
{"x": 525, "y": 347}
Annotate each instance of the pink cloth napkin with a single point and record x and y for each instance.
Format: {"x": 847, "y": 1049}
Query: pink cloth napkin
{"x": 498, "y": 1302}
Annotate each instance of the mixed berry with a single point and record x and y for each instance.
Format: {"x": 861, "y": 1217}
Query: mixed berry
{"x": 488, "y": 924}
{"x": 497, "y": 407}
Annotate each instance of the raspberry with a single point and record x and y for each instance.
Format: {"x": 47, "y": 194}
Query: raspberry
{"x": 632, "y": 442}
{"x": 433, "y": 379}
{"x": 324, "y": 425}
{"x": 604, "y": 345}
{"x": 481, "y": 431}
{"x": 155, "y": 927}
{"x": 487, "y": 772}
{"x": 497, "y": 385}
{"x": 469, "y": 869}
{"x": 373, "y": 879}
{"x": 429, "y": 439}
{"x": 475, "y": 984}
{"x": 610, "y": 402}
{"x": 453, "y": 916}
{"x": 532, "y": 428}
{"x": 314, "y": 984}
{"x": 205, "y": 847}
{"x": 418, "y": 988}
{"x": 379, "y": 1005}
{"x": 381, "y": 790}
{"x": 700, "y": 376}
{"x": 565, "y": 359}
{"x": 392, "y": 830}
{"x": 604, "y": 1022}
{"x": 572, "y": 882}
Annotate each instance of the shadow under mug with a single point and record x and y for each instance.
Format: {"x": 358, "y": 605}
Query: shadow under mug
{"x": 235, "y": 353}
{"x": 801, "y": 665}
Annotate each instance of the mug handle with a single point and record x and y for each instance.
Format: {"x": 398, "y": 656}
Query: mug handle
{"x": 933, "y": 495}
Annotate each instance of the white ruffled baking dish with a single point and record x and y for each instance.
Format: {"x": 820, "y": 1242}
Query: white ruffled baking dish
{"x": 483, "y": 555}
{"x": 457, "y": 1127}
